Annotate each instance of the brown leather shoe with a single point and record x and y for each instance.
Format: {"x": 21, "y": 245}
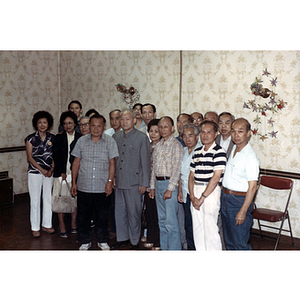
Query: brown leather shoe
{"x": 48, "y": 230}
{"x": 36, "y": 234}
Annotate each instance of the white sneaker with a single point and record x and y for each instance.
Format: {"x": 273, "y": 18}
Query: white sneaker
{"x": 85, "y": 246}
{"x": 103, "y": 246}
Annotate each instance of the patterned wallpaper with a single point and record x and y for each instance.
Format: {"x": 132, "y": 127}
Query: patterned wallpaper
{"x": 220, "y": 81}
{"x": 28, "y": 83}
{"x": 91, "y": 76}
{"x": 211, "y": 80}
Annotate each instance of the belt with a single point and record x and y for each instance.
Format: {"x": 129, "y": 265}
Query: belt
{"x": 162, "y": 177}
{"x": 230, "y": 192}
{"x": 200, "y": 183}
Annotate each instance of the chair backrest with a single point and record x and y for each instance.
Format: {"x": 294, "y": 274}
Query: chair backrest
{"x": 277, "y": 183}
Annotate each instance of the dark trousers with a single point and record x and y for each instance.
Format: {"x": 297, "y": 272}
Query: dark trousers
{"x": 152, "y": 221}
{"x": 87, "y": 203}
{"x": 188, "y": 223}
{"x": 236, "y": 237}
{"x": 112, "y": 212}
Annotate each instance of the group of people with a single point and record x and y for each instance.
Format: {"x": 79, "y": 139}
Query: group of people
{"x": 195, "y": 191}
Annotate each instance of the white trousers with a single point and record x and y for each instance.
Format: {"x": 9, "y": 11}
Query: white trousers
{"x": 36, "y": 184}
{"x": 205, "y": 228}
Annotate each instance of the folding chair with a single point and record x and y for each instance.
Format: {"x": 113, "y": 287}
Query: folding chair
{"x": 270, "y": 215}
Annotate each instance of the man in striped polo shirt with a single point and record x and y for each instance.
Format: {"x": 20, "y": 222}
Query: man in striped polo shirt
{"x": 206, "y": 172}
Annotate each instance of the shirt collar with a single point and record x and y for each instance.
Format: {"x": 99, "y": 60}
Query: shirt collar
{"x": 103, "y": 137}
{"x": 47, "y": 135}
{"x": 227, "y": 140}
{"x": 169, "y": 140}
{"x": 131, "y": 132}
{"x": 210, "y": 148}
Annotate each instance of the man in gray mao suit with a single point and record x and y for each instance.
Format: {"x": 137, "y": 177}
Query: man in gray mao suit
{"x": 132, "y": 178}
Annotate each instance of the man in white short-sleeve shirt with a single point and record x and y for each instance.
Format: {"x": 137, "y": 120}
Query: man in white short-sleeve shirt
{"x": 239, "y": 187}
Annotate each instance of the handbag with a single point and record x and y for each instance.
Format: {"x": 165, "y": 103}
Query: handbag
{"x": 64, "y": 203}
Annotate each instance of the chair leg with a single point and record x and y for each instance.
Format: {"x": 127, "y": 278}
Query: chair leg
{"x": 279, "y": 233}
{"x": 288, "y": 217}
{"x": 261, "y": 235}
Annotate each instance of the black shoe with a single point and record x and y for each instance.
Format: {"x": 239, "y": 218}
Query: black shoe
{"x": 135, "y": 247}
{"x": 118, "y": 245}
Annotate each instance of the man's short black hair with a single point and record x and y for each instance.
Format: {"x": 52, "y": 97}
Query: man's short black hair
{"x": 167, "y": 117}
{"x": 152, "y": 105}
{"x": 185, "y": 114}
{"x": 215, "y": 126}
{"x": 137, "y": 104}
{"x": 75, "y": 101}
{"x": 119, "y": 110}
{"x": 91, "y": 111}
{"x": 98, "y": 116}
{"x": 226, "y": 113}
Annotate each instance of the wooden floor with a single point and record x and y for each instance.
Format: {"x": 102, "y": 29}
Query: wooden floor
{"x": 15, "y": 233}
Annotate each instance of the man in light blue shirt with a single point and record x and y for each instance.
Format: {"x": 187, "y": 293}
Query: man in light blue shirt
{"x": 115, "y": 123}
{"x": 190, "y": 136}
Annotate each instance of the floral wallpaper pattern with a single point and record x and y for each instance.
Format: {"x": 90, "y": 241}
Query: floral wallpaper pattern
{"x": 91, "y": 77}
{"x": 28, "y": 83}
{"x": 211, "y": 80}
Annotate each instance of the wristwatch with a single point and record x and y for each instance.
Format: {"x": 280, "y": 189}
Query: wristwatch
{"x": 110, "y": 180}
{"x": 203, "y": 195}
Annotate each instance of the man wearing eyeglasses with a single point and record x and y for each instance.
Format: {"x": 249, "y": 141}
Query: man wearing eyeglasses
{"x": 197, "y": 118}
{"x": 84, "y": 125}
{"x": 182, "y": 119}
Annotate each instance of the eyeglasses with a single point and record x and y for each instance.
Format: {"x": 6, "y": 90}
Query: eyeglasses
{"x": 197, "y": 120}
{"x": 68, "y": 123}
{"x": 84, "y": 125}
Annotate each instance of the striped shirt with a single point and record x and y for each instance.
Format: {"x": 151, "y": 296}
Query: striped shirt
{"x": 167, "y": 158}
{"x": 204, "y": 163}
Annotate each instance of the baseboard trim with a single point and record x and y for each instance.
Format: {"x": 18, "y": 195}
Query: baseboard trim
{"x": 12, "y": 149}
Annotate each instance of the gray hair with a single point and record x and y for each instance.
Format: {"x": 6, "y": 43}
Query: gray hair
{"x": 196, "y": 129}
{"x": 129, "y": 110}
{"x": 84, "y": 117}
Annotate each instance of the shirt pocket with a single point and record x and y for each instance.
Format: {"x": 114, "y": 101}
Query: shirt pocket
{"x": 166, "y": 157}
{"x": 104, "y": 170}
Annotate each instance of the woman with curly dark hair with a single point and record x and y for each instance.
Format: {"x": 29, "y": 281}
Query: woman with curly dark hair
{"x": 63, "y": 145}
{"x": 39, "y": 150}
